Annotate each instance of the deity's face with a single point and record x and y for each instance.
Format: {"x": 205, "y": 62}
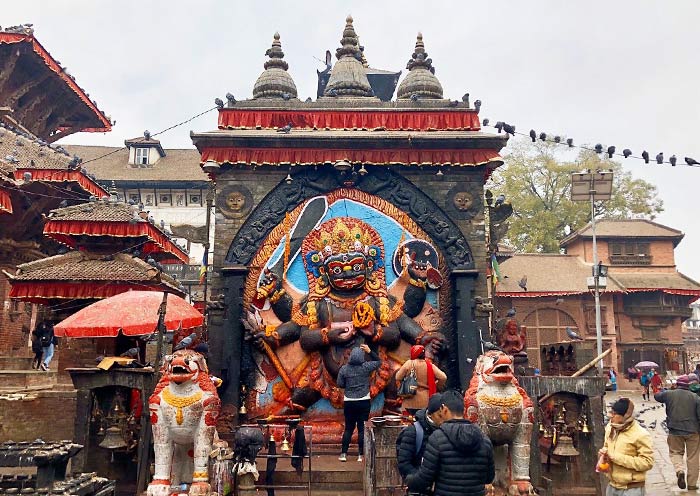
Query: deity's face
{"x": 463, "y": 200}
{"x": 346, "y": 271}
{"x": 235, "y": 201}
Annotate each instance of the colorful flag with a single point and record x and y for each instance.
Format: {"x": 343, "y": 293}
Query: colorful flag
{"x": 495, "y": 270}
{"x": 203, "y": 269}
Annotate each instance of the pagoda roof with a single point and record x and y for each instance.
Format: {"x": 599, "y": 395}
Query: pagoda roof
{"x": 51, "y": 163}
{"x": 104, "y": 218}
{"x": 551, "y": 274}
{"x": 625, "y": 228}
{"x": 30, "y": 73}
{"x": 84, "y": 275}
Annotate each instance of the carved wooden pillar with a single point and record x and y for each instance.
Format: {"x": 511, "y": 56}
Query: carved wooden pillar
{"x": 466, "y": 332}
{"x": 83, "y": 411}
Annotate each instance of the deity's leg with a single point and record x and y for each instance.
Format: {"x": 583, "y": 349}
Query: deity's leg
{"x": 303, "y": 398}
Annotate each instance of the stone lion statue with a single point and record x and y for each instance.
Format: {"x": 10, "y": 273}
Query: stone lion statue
{"x": 184, "y": 408}
{"x": 504, "y": 412}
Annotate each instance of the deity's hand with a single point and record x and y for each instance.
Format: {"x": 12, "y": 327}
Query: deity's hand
{"x": 260, "y": 338}
{"x": 434, "y": 342}
{"x": 268, "y": 284}
{"x": 341, "y": 332}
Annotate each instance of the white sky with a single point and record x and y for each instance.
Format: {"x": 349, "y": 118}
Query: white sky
{"x": 621, "y": 72}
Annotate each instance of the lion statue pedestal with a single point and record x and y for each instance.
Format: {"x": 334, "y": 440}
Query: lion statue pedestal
{"x": 184, "y": 408}
{"x": 496, "y": 402}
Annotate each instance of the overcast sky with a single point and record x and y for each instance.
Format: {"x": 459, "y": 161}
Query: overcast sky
{"x": 622, "y": 73}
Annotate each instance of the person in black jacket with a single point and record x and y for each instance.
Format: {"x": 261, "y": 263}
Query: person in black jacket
{"x": 458, "y": 458}
{"x": 408, "y": 455}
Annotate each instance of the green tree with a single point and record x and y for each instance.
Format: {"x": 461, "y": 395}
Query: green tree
{"x": 536, "y": 180}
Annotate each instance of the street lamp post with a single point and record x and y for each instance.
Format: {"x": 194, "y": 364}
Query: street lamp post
{"x": 594, "y": 186}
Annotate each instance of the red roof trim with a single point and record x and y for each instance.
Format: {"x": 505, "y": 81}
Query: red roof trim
{"x": 5, "y": 202}
{"x": 40, "y": 291}
{"x": 537, "y": 294}
{"x": 57, "y": 175}
{"x": 316, "y": 156}
{"x": 55, "y": 67}
{"x": 373, "y": 119}
{"x": 64, "y": 230}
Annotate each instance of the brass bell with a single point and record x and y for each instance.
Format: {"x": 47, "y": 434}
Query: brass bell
{"x": 285, "y": 444}
{"x": 547, "y": 433}
{"x": 113, "y": 439}
{"x": 242, "y": 410}
{"x": 542, "y": 431}
{"x": 584, "y": 428}
{"x": 565, "y": 447}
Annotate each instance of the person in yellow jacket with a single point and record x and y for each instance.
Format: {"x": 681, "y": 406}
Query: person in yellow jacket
{"x": 627, "y": 452}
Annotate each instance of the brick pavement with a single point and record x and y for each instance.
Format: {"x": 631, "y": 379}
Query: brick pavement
{"x": 661, "y": 479}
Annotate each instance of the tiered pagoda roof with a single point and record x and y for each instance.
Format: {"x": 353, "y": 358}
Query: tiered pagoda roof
{"x": 100, "y": 222}
{"x": 40, "y": 94}
{"x": 86, "y": 276}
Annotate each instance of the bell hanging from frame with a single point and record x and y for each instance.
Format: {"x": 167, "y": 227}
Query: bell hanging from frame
{"x": 585, "y": 429}
{"x": 285, "y": 444}
{"x": 242, "y": 410}
{"x": 113, "y": 439}
{"x": 565, "y": 447}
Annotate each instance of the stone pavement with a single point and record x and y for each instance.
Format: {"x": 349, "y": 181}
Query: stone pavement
{"x": 661, "y": 479}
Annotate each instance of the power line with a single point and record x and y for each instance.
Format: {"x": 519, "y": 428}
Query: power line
{"x": 611, "y": 150}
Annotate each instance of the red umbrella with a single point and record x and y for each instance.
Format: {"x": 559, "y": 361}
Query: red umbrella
{"x": 133, "y": 313}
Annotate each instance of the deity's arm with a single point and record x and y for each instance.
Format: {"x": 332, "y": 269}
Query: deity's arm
{"x": 410, "y": 329}
{"x": 414, "y": 297}
{"x": 287, "y": 333}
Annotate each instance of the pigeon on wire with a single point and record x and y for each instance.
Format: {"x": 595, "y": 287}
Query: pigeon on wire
{"x": 626, "y": 152}
{"x": 186, "y": 342}
{"x": 572, "y": 334}
{"x": 230, "y": 99}
{"x": 219, "y": 103}
{"x": 286, "y": 129}
{"x": 660, "y": 158}
{"x": 523, "y": 283}
{"x": 673, "y": 160}
{"x": 533, "y": 135}
{"x": 645, "y": 156}
{"x": 131, "y": 353}
{"x": 691, "y": 161}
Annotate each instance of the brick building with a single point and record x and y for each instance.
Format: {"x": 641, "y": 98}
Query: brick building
{"x": 642, "y": 308}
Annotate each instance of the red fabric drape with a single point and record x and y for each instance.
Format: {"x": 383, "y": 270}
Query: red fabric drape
{"x": 430, "y": 377}
{"x": 5, "y": 202}
{"x": 55, "y": 67}
{"x": 40, "y": 291}
{"x": 64, "y": 230}
{"x": 413, "y": 120}
{"x": 308, "y": 156}
{"x": 58, "y": 175}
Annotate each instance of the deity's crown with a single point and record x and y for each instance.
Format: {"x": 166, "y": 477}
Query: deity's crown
{"x": 342, "y": 237}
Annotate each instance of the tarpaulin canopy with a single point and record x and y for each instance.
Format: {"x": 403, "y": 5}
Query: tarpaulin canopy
{"x": 134, "y": 313}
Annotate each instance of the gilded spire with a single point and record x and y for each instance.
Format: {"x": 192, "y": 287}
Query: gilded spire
{"x": 275, "y": 81}
{"x": 348, "y": 77}
{"x": 420, "y": 80}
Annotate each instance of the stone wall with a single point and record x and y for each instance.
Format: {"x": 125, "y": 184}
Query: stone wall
{"x": 15, "y": 320}
{"x": 49, "y": 415}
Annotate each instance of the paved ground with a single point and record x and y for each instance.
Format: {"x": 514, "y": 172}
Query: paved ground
{"x": 661, "y": 479}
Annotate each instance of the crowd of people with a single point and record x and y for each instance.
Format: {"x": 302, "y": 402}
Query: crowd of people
{"x": 442, "y": 454}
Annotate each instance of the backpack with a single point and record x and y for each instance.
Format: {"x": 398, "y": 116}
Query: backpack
{"x": 419, "y": 436}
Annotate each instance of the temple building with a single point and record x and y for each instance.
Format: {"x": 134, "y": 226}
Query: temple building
{"x": 345, "y": 211}
{"x": 40, "y": 102}
{"x": 643, "y": 304}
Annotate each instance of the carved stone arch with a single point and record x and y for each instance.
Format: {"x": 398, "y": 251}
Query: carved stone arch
{"x": 379, "y": 181}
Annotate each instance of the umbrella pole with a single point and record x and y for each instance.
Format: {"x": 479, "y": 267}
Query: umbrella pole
{"x": 144, "y": 460}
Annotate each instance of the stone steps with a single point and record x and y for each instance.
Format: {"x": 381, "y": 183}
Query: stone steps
{"x": 17, "y": 380}
{"x": 328, "y": 475}
{"x": 15, "y": 363}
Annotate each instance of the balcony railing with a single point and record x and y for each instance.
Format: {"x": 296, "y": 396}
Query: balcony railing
{"x": 630, "y": 259}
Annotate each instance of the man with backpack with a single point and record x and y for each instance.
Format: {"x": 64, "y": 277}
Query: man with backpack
{"x": 413, "y": 439}
{"x": 458, "y": 459}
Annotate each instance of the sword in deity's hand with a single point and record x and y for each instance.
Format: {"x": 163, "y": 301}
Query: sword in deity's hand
{"x": 253, "y": 324}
